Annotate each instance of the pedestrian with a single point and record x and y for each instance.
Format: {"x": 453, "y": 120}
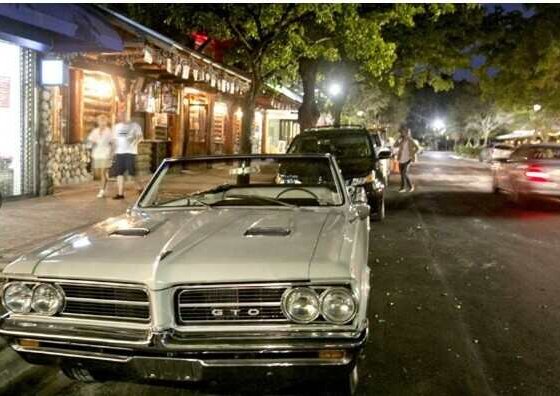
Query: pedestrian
{"x": 101, "y": 141}
{"x": 127, "y": 134}
{"x": 407, "y": 150}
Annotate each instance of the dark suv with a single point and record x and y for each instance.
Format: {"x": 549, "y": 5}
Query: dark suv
{"x": 356, "y": 155}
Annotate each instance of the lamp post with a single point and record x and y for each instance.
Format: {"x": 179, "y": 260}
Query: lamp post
{"x": 438, "y": 125}
{"x": 336, "y": 93}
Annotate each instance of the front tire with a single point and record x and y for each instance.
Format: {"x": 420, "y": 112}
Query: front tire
{"x": 79, "y": 374}
{"x": 378, "y": 208}
{"x": 345, "y": 385}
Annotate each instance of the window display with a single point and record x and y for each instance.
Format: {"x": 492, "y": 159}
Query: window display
{"x": 10, "y": 119}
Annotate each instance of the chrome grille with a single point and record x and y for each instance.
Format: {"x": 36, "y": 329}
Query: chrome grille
{"x": 227, "y": 304}
{"x": 106, "y": 302}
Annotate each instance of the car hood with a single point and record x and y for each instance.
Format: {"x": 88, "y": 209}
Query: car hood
{"x": 164, "y": 248}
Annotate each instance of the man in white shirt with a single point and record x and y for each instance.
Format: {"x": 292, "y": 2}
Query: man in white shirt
{"x": 407, "y": 150}
{"x": 126, "y": 136}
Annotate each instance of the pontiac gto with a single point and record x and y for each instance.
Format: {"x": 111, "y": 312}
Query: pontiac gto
{"x": 256, "y": 262}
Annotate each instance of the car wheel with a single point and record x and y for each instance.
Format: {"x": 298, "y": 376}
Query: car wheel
{"x": 495, "y": 188}
{"x": 345, "y": 385}
{"x": 79, "y": 374}
{"x": 378, "y": 209}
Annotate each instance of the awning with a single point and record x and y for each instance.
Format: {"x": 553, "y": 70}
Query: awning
{"x": 57, "y": 28}
{"x": 520, "y": 134}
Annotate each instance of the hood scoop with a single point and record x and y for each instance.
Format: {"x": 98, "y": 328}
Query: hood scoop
{"x": 276, "y": 225}
{"x": 268, "y": 231}
{"x": 134, "y": 232}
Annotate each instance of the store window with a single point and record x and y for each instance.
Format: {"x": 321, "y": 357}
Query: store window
{"x": 10, "y": 119}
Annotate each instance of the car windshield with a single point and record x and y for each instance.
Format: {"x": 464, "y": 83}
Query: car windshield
{"x": 244, "y": 181}
{"x": 342, "y": 146}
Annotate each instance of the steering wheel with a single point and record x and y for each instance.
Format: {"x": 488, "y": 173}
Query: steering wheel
{"x": 298, "y": 189}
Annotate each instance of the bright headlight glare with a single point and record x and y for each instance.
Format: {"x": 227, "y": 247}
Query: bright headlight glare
{"x": 16, "y": 297}
{"x": 47, "y": 299}
{"x": 301, "y": 304}
{"x": 338, "y": 305}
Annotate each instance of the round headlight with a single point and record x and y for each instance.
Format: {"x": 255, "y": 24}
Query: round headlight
{"x": 47, "y": 299}
{"x": 17, "y": 297}
{"x": 338, "y": 305}
{"x": 301, "y": 304}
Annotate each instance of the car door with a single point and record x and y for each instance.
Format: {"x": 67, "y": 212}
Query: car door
{"x": 513, "y": 168}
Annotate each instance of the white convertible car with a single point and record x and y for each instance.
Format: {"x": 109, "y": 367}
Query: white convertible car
{"x": 256, "y": 262}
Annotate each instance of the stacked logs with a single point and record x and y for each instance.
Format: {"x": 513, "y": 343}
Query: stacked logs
{"x": 68, "y": 163}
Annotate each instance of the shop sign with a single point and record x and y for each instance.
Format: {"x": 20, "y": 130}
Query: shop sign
{"x": 148, "y": 56}
{"x": 186, "y": 72}
{"x": 4, "y": 91}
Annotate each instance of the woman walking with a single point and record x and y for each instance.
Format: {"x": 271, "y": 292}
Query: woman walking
{"x": 407, "y": 150}
{"x": 101, "y": 139}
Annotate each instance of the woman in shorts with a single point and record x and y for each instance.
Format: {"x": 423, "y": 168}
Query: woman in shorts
{"x": 101, "y": 139}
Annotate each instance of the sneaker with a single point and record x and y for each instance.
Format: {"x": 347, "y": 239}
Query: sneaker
{"x": 101, "y": 194}
{"x": 411, "y": 189}
{"x": 402, "y": 190}
{"x": 118, "y": 196}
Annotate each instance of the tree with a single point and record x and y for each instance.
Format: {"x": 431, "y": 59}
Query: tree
{"x": 394, "y": 45}
{"x": 521, "y": 69}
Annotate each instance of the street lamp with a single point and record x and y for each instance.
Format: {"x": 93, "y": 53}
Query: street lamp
{"x": 335, "y": 89}
{"x": 537, "y": 107}
{"x": 360, "y": 113}
{"x": 438, "y": 124}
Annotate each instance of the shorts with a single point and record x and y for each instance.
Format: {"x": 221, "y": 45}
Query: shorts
{"x": 125, "y": 163}
{"x": 102, "y": 163}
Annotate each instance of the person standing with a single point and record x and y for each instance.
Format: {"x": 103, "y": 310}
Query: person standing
{"x": 127, "y": 134}
{"x": 101, "y": 141}
{"x": 407, "y": 150}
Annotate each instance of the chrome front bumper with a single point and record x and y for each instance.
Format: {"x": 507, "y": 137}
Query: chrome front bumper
{"x": 172, "y": 355}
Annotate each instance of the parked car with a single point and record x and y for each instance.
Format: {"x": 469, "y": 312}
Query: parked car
{"x": 380, "y": 145}
{"x": 495, "y": 152}
{"x": 532, "y": 170}
{"x": 356, "y": 155}
{"x": 256, "y": 262}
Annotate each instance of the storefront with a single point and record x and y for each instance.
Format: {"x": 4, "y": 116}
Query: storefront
{"x": 17, "y": 102}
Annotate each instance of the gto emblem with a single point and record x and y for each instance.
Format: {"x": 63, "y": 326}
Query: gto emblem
{"x": 218, "y": 312}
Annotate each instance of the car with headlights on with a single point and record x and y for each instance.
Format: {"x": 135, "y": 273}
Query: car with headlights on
{"x": 358, "y": 155}
{"x": 254, "y": 262}
{"x": 532, "y": 171}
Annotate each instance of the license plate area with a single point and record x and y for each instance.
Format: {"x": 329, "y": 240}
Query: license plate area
{"x": 165, "y": 369}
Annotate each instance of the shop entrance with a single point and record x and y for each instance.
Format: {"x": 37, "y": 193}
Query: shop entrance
{"x": 197, "y": 141}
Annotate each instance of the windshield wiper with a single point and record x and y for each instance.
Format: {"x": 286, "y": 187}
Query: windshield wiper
{"x": 197, "y": 200}
{"x": 264, "y": 199}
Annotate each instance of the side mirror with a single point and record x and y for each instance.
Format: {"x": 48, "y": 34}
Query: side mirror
{"x": 384, "y": 153}
{"x": 357, "y": 195}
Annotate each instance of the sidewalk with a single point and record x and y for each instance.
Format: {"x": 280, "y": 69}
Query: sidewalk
{"x": 27, "y": 223}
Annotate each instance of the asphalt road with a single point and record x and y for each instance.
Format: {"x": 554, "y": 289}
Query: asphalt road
{"x": 465, "y": 299}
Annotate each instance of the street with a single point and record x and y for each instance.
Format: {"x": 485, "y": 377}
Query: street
{"x": 465, "y": 299}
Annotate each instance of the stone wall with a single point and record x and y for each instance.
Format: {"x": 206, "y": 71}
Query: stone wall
{"x": 46, "y": 126}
